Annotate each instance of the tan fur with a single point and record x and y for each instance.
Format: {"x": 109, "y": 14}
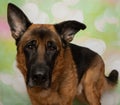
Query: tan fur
{"x": 60, "y": 93}
{"x": 64, "y": 86}
{"x": 45, "y": 48}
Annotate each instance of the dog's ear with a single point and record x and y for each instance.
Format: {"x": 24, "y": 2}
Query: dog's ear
{"x": 68, "y": 29}
{"x": 17, "y": 21}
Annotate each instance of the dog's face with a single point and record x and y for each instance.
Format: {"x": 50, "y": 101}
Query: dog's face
{"x": 39, "y": 45}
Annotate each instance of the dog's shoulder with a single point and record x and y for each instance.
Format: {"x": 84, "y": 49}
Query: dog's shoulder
{"x": 83, "y": 58}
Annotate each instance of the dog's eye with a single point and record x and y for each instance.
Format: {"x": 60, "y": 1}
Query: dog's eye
{"x": 31, "y": 44}
{"x": 51, "y": 46}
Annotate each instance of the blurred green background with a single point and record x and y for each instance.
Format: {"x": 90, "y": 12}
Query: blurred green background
{"x": 102, "y": 35}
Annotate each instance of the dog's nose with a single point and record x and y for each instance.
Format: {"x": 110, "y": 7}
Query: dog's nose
{"x": 39, "y": 77}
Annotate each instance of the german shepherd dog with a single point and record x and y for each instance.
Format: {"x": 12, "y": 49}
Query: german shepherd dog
{"x": 56, "y": 71}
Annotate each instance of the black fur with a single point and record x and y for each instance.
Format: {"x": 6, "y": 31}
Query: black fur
{"x": 113, "y": 77}
{"x": 83, "y": 58}
{"x": 71, "y": 25}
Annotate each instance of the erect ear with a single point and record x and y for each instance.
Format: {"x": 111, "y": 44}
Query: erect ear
{"x": 17, "y": 21}
{"x": 68, "y": 29}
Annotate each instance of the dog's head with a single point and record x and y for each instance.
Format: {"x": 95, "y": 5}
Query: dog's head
{"x": 39, "y": 45}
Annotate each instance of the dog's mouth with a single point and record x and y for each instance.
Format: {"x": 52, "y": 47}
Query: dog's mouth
{"x": 40, "y": 83}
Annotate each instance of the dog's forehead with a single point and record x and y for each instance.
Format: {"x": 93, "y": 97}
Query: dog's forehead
{"x": 40, "y": 31}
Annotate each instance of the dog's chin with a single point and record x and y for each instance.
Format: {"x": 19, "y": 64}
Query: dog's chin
{"x": 46, "y": 85}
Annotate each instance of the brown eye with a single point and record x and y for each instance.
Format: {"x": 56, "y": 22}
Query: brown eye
{"x": 31, "y": 44}
{"x": 51, "y": 46}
